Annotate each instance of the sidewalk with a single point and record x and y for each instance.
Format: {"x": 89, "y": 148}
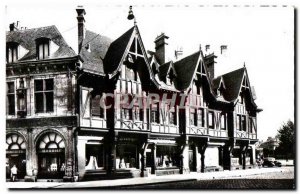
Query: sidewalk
{"x": 146, "y": 180}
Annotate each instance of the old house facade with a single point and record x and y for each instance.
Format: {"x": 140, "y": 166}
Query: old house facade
{"x": 115, "y": 109}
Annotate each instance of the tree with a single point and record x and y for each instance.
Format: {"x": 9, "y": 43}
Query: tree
{"x": 286, "y": 136}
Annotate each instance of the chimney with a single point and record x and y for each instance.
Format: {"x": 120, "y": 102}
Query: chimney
{"x": 223, "y": 49}
{"x": 178, "y": 53}
{"x": 160, "y": 48}
{"x": 207, "y": 47}
{"x": 13, "y": 26}
{"x": 210, "y": 64}
{"x": 81, "y": 29}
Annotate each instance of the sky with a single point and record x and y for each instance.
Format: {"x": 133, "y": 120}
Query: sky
{"x": 262, "y": 38}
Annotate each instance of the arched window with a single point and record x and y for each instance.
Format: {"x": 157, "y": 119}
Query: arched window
{"x": 15, "y": 142}
{"x": 51, "y": 140}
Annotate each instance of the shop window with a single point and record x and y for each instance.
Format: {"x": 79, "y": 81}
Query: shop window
{"x": 43, "y": 49}
{"x": 97, "y": 110}
{"x": 166, "y": 157}
{"x": 211, "y": 120}
{"x": 11, "y": 98}
{"x": 12, "y": 52}
{"x": 43, "y": 95}
{"x": 223, "y": 121}
{"x": 193, "y": 117}
{"x": 127, "y": 156}
{"x": 155, "y": 113}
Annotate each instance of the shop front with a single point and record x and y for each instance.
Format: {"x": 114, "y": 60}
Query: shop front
{"x": 51, "y": 156}
{"x": 15, "y": 155}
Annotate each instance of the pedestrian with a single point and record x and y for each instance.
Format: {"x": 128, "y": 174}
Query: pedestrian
{"x": 13, "y": 173}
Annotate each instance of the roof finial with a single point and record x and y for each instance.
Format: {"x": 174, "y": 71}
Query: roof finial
{"x": 244, "y": 64}
{"x": 130, "y": 15}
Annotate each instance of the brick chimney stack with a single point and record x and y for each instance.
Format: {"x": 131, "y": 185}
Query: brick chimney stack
{"x": 14, "y": 26}
{"x": 160, "y": 48}
{"x": 81, "y": 28}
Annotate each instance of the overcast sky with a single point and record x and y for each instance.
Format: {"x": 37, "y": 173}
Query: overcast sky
{"x": 260, "y": 37}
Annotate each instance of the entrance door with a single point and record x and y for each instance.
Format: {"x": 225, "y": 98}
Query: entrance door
{"x": 51, "y": 165}
{"x": 15, "y": 154}
{"x": 192, "y": 159}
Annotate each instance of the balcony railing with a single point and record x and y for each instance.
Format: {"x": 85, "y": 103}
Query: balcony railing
{"x": 244, "y": 134}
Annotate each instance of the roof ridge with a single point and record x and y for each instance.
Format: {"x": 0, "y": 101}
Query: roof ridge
{"x": 233, "y": 71}
{"x": 187, "y": 56}
{"x": 28, "y": 29}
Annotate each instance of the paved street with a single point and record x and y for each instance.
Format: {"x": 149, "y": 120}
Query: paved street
{"x": 263, "y": 178}
{"x": 221, "y": 184}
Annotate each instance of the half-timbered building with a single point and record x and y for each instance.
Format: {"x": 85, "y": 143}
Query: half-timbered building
{"x": 115, "y": 109}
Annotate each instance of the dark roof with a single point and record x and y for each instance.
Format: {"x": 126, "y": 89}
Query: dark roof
{"x": 26, "y": 38}
{"x": 93, "y": 51}
{"x": 216, "y": 82}
{"x": 116, "y": 50}
{"x": 233, "y": 81}
{"x": 164, "y": 70}
{"x": 185, "y": 69}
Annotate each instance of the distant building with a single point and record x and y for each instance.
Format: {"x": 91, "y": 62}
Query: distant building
{"x": 57, "y": 127}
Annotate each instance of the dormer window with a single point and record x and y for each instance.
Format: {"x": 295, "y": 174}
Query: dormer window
{"x": 12, "y": 52}
{"x": 43, "y": 48}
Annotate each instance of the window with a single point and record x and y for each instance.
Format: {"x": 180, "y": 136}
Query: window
{"x": 136, "y": 113}
{"x": 198, "y": 90}
{"x": 43, "y": 95}
{"x": 211, "y": 120}
{"x": 193, "y": 117}
{"x": 155, "y": 113}
{"x": 127, "y": 113}
{"x": 43, "y": 50}
{"x": 97, "y": 110}
{"x": 172, "y": 116}
{"x": 12, "y": 52}
{"x": 241, "y": 98}
{"x": 200, "y": 119}
{"x": 11, "y": 98}
{"x": 243, "y": 123}
{"x": 223, "y": 121}
{"x": 238, "y": 122}
{"x": 252, "y": 124}
{"x": 130, "y": 75}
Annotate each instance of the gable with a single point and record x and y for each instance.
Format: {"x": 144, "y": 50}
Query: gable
{"x": 129, "y": 50}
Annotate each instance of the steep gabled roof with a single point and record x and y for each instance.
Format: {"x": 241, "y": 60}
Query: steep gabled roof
{"x": 116, "y": 51}
{"x": 233, "y": 81}
{"x": 27, "y": 39}
{"x": 185, "y": 69}
{"x": 164, "y": 70}
{"x": 93, "y": 51}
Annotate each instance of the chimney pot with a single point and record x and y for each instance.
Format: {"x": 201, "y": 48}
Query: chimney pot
{"x": 207, "y": 47}
{"x": 223, "y": 49}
